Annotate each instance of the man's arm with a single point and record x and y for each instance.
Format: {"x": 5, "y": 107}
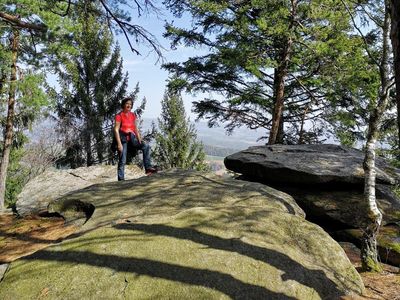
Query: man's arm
{"x": 117, "y": 137}
{"x": 137, "y": 133}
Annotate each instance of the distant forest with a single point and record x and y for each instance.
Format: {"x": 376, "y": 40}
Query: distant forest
{"x": 218, "y": 151}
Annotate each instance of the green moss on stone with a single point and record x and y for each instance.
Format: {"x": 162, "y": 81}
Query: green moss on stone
{"x": 370, "y": 265}
{"x": 389, "y": 238}
{"x": 396, "y": 190}
{"x": 388, "y": 242}
{"x": 187, "y": 235}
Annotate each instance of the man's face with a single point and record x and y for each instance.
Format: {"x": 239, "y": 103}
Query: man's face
{"x": 128, "y": 105}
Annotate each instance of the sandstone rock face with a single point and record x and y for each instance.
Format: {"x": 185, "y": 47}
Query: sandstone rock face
{"x": 306, "y": 164}
{"x": 53, "y": 183}
{"x": 344, "y": 206}
{"x": 186, "y": 235}
{"x": 326, "y": 181}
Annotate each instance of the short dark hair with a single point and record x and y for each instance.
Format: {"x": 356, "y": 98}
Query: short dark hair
{"x": 126, "y": 100}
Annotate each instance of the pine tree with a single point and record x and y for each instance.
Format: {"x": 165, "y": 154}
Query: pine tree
{"x": 273, "y": 62}
{"x": 176, "y": 144}
{"x": 22, "y": 33}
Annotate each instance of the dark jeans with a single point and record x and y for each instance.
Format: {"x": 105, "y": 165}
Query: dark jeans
{"x": 122, "y": 155}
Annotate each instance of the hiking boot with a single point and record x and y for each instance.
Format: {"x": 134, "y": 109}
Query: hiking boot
{"x": 150, "y": 171}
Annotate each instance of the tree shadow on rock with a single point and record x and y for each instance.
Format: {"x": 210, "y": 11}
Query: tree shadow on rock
{"x": 315, "y": 279}
{"x": 224, "y": 283}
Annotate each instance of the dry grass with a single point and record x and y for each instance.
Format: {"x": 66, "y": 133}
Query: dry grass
{"x": 382, "y": 286}
{"x": 20, "y": 237}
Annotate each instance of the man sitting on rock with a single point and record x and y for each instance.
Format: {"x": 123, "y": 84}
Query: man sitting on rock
{"x": 126, "y": 132}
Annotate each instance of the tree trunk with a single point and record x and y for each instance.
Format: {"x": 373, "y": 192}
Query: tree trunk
{"x": 88, "y": 145}
{"x": 279, "y": 88}
{"x": 395, "y": 37}
{"x": 301, "y": 132}
{"x": 279, "y": 79}
{"x": 87, "y": 98}
{"x": 369, "y": 253}
{"x": 8, "y": 137}
{"x": 281, "y": 131}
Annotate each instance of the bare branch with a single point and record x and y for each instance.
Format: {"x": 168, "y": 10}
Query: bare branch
{"x": 377, "y": 21}
{"x": 67, "y": 11}
{"x": 306, "y": 89}
{"x": 138, "y": 31}
{"x": 361, "y": 34}
{"x": 15, "y": 21}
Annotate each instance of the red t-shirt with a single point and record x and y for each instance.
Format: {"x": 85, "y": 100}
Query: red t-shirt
{"x": 128, "y": 122}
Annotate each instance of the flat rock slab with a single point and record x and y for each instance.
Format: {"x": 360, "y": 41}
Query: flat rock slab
{"x": 186, "y": 235}
{"x": 54, "y": 183}
{"x": 306, "y": 164}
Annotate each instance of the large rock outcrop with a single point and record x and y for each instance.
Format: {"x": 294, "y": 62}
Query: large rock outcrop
{"x": 307, "y": 164}
{"x": 54, "y": 183}
{"x": 185, "y": 235}
{"x": 326, "y": 181}
{"x": 344, "y": 207}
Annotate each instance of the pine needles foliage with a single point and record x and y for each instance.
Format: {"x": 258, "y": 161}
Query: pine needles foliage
{"x": 176, "y": 139}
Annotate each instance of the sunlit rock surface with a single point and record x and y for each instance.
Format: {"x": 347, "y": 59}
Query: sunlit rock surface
{"x": 186, "y": 235}
{"x": 54, "y": 183}
{"x": 307, "y": 164}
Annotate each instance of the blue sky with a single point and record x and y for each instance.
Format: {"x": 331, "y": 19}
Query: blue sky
{"x": 145, "y": 69}
{"x": 152, "y": 78}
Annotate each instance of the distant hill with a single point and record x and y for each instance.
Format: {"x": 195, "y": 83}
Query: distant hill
{"x": 217, "y": 142}
{"x": 218, "y": 151}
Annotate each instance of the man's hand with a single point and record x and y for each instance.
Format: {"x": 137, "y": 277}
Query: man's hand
{"x": 120, "y": 147}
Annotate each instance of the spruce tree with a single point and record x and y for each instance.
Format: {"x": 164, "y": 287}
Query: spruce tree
{"x": 176, "y": 139}
{"x": 92, "y": 83}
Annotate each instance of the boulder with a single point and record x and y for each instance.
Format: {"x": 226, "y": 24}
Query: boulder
{"x": 186, "y": 235}
{"x": 307, "y": 164}
{"x": 325, "y": 180}
{"x": 54, "y": 183}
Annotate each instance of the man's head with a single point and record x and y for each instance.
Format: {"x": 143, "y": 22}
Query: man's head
{"x": 128, "y": 101}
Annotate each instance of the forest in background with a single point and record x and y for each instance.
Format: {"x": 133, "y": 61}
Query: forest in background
{"x": 300, "y": 70}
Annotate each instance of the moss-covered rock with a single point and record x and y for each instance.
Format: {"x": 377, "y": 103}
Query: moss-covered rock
{"x": 326, "y": 180}
{"x": 187, "y": 235}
